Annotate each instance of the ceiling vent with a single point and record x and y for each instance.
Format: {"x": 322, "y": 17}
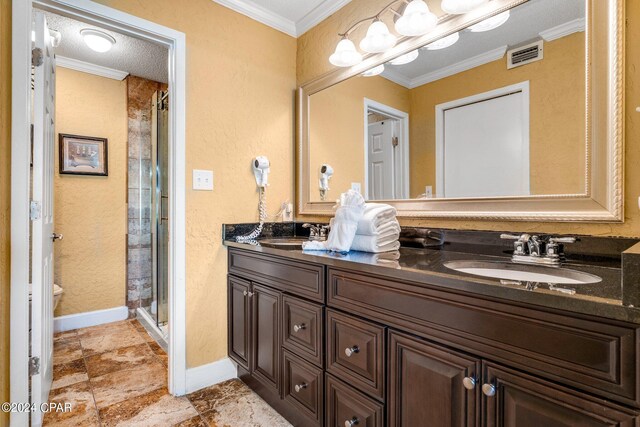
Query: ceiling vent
{"x": 525, "y": 54}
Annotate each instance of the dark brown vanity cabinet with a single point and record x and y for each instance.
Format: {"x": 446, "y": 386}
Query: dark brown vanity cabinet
{"x": 379, "y": 351}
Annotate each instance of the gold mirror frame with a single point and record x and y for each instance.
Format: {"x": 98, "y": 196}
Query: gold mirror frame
{"x": 603, "y": 199}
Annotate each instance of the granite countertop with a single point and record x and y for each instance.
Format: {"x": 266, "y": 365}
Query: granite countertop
{"x": 426, "y": 266}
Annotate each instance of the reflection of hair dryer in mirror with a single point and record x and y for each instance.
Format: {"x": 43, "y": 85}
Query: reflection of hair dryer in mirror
{"x": 261, "y": 170}
{"x": 326, "y": 171}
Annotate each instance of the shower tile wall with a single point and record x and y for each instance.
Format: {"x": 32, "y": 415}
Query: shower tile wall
{"x": 139, "y": 263}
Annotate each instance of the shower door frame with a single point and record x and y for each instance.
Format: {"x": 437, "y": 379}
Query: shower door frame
{"x": 131, "y": 25}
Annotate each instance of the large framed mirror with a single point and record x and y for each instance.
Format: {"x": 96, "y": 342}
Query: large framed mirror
{"x": 513, "y": 111}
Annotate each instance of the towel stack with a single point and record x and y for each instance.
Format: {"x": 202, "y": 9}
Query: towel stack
{"x": 378, "y": 230}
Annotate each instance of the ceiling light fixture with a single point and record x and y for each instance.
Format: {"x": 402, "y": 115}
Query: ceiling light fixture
{"x": 98, "y": 41}
{"x": 378, "y": 38}
{"x": 416, "y": 19}
{"x": 374, "y": 71}
{"x": 490, "y": 23}
{"x": 345, "y": 54}
{"x": 458, "y": 7}
{"x": 406, "y": 58}
{"x": 444, "y": 42}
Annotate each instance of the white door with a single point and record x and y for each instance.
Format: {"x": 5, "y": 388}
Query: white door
{"x": 42, "y": 226}
{"x": 381, "y": 176}
{"x": 483, "y": 147}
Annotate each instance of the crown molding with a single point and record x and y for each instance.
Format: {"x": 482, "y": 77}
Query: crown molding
{"x": 261, "y": 14}
{"x": 563, "y": 30}
{"x": 87, "y": 67}
{"x": 458, "y": 67}
{"x": 319, "y": 14}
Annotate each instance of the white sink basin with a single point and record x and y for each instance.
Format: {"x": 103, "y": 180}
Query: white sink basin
{"x": 523, "y": 273}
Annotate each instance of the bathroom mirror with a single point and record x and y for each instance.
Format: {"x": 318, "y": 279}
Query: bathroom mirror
{"x": 511, "y": 111}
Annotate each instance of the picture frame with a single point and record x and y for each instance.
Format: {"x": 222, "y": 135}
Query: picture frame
{"x": 83, "y": 155}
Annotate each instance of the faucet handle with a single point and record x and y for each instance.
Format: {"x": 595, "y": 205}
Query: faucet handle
{"x": 520, "y": 237}
{"x": 563, "y": 239}
{"x": 555, "y": 246}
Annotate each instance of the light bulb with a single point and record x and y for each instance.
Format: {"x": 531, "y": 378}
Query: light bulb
{"x": 444, "y": 42}
{"x": 490, "y": 23}
{"x": 406, "y": 58}
{"x": 97, "y": 40}
{"x": 374, "y": 71}
{"x": 457, "y": 7}
{"x": 345, "y": 54}
{"x": 416, "y": 19}
{"x": 378, "y": 38}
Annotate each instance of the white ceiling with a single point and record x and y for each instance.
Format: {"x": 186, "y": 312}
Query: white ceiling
{"x": 291, "y": 17}
{"x": 526, "y": 23}
{"x": 130, "y": 55}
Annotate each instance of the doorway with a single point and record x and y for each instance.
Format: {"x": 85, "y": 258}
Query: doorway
{"x": 386, "y": 147}
{"x": 22, "y": 110}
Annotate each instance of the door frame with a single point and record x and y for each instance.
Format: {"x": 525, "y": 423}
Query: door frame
{"x": 402, "y": 164}
{"x": 20, "y": 178}
{"x": 522, "y": 87}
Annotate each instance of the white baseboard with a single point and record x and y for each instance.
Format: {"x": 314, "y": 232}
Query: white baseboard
{"x": 90, "y": 318}
{"x": 210, "y": 374}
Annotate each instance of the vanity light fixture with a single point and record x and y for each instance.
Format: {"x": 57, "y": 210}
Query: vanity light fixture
{"x": 444, "y": 42}
{"x": 406, "y": 58}
{"x": 97, "y": 40}
{"x": 374, "y": 71}
{"x": 416, "y": 19}
{"x": 345, "y": 54}
{"x": 378, "y": 38}
{"x": 490, "y": 23}
{"x": 458, "y": 7}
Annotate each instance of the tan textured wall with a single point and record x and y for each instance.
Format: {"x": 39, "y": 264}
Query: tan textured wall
{"x": 91, "y": 211}
{"x": 557, "y": 93}
{"x": 240, "y": 103}
{"x": 315, "y": 46}
{"x": 337, "y": 129}
{"x": 5, "y": 199}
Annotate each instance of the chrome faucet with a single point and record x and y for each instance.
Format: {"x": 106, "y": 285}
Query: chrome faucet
{"x": 528, "y": 249}
{"x": 317, "y": 232}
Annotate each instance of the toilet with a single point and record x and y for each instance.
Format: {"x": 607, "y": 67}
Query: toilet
{"x": 57, "y": 294}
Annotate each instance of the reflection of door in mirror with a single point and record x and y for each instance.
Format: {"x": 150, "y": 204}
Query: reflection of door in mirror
{"x": 480, "y": 141}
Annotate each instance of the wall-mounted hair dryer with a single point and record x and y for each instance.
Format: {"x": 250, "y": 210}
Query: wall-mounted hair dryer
{"x": 326, "y": 171}
{"x": 261, "y": 170}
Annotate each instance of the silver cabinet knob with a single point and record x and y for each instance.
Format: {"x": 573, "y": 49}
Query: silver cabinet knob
{"x": 299, "y": 387}
{"x": 245, "y": 293}
{"x": 352, "y": 422}
{"x": 469, "y": 383}
{"x": 55, "y": 236}
{"x": 251, "y": 293}
{"x": 298, "y": 328}
{"x": 350, "y": 351}
{"x": 489, "y": 389}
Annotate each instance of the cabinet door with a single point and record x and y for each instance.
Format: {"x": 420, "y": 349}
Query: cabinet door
{"x": 514, "y": 399}
{"x": 239, "y": 322}
{"x": 427, "y": 384}
{"x": 265, "y": 337}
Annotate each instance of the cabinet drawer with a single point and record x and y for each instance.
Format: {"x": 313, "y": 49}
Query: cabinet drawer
{"x": 346, "y": 406}
{"x": 597, "y": 355}
{"x": 297, "y": 277}
{"x": 302, "y": 328}
{"x": 356, "y": 352}
{"x": 304, "y": 387}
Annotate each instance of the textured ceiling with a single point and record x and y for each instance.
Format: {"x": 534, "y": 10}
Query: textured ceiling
{"x": 525, "y": 23}
{"x": 137, "y": 57}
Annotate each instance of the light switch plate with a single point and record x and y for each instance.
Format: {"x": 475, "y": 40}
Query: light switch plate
{"x": 355, "y": 186}
{"x": 428, "y": 191}
{"x": 202, "y": 180}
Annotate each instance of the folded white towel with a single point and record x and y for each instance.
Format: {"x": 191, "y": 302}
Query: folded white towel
{"x": 375, "y": 216}
{"x": 373, "y": 244}
{"x": 345, "y": 223}
{"x": 385, "y": 227}
{"x": 387, "y": 259}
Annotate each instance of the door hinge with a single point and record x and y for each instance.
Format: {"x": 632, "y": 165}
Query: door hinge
{"x": 394, "y": 141}
{"x": 37, "y": 58}
{"x": 34, "y": 210}
{"x": 34, "y": 366}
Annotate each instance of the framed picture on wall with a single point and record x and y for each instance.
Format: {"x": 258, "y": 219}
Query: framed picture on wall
{"x": 83, "y": 155}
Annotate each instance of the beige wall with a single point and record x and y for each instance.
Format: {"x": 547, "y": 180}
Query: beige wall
{"x": 337, "y": 130}
{"x": 557, "y": 93}
{"x": 315, "y": 46}
{"x": 240, "y": 103}
{"x": 91, "y": 211}
{"x": 5, "y": 199}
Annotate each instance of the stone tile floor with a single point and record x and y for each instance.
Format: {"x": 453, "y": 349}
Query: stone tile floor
{"x": 116, "y": 375}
